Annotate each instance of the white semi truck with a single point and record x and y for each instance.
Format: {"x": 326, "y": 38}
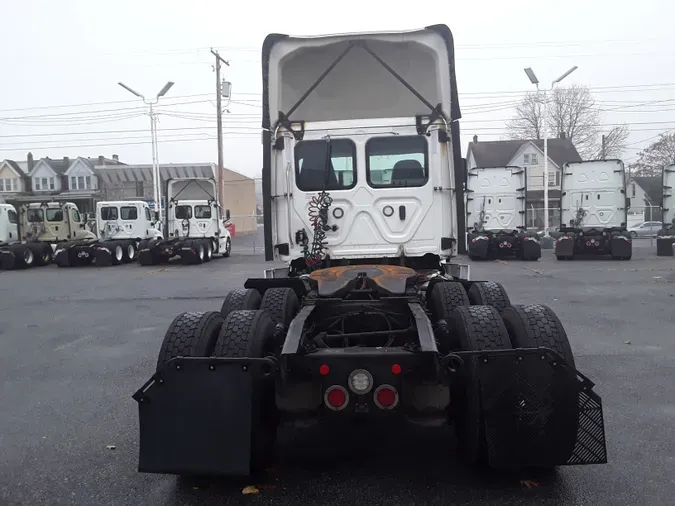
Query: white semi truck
{"x": 28, "y": 237}
{"x": 593, "y": 211}
{"x": 665, "y": 239}
{"x": 196, "y": 225}
{"x": 123, "y": 228}
{"x": 496, "y": 214}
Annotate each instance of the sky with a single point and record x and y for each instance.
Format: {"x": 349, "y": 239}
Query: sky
{"x": 62, "y": 61}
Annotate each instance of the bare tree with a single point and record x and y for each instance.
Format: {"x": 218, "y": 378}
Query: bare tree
{"x": 613, "y": 144}
{"x": 657, "y": 155}
{"x": 571, "y": 111}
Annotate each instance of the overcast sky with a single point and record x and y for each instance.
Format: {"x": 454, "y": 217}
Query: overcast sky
{"x": 73, "y": 52}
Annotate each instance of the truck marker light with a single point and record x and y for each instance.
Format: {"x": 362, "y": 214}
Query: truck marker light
{"x": 324, "y": 370}
{"x": 360, "y": 381}
{"x": 336, "y": 397}
{"x": 386, "y": 397}
{"x": 396, "y": 369}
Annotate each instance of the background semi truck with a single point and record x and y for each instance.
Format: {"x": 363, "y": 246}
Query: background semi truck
{"x": 196, "y": 225}
{"x": 123, "y": 228}
{"x": 496, "y": 214}
{"x": 593, "y": 211}
{"x": 665, "y": 239}
{"x": 40, "y": 227}
{"x": 370, "y": 320}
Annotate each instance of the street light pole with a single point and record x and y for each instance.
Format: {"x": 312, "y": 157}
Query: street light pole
{"x": 533, "y": 79}
{"x": 156, "y": 180}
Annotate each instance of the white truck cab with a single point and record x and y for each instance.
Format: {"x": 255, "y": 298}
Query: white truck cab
{"x": 665, "y": 240}
{"x": 362, "y": 163}
{"x": 9, "y": 224}
{"x": 52, "y": 222}
{"x": 125, "y": 219}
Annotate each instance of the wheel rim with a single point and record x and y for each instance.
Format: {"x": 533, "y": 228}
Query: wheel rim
{"x": 209, "y": 251}
{"x": 131, "y": 251}
{"x": 28, "y": 256}
{"x": 228, "y": 246}
{"x": 119, "y": 253}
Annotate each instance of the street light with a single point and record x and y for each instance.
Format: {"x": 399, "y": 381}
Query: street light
{"x": 533, "y": 79}
{"x": 156, "y": 180}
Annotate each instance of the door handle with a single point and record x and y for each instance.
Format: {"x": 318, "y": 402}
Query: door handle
{"x": 401, "y": 212}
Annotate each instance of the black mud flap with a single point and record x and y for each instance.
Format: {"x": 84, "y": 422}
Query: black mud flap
{"x": 564, "y": 246}
{"x": 531, "y": 248}
{"x": 536, "y": 410}
{"x": 195, "y": 416}
{"x": 664, "y": 246}
{"x": 478, "y": 246}
{"x": 103, "y": 256}
{"x": 621, "y": 247}
{"x": 7, "y": 260}
{"x": 146, "y": 257}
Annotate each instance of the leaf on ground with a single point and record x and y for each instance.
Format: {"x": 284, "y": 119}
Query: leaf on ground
{"x": 158, "y": 270}
{"x": 501, "y": 261}
{"x": 626, "y": 342}
{"x": 250, "y": 490}
{"x": 529, "y": 483}
{"x": 110, "y": 447}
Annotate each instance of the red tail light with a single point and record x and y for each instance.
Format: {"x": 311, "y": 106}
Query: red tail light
{"x": 336, "y": 397}
{"x": 508, "y": 245}
{"x": 396, "y": 369}
{"x": 324, "y": 370}
{"x": 386, "y": 397}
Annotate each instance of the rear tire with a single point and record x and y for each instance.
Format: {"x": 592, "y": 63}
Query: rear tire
{"x": 130, "y": 252}
{"x": 281, "y": 304}
{"x": 443, "y": 299}
{"x": 489, "y": 293}
{"x": 228, "y": 248}
{"x": 117, "y": 252}
{"x": 477, "y": 328}
{"x": 239, "y": 299}
{"x": 43, "y": 253}
{"x": 208, "y": 250}
{"x": 251, "y": 334}
{"x": 191, "y": 334}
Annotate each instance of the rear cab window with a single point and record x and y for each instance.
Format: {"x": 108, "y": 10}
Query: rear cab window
{"x": 203, "y": 212}
{"x": 35, "y": 215}
{"x": 397, "y": 162}
{"x": 129, "y": 213}
{"x": 109, "y": 213}
{"x": 183, "y": 212}
{"x": 311, "y": 173}
{"x": 54, "y": 215}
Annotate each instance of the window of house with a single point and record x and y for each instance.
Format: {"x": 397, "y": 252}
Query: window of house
{"x": 203, "y": 212}
{"x": 553, "y": 178}
{"x": 129, "y": 213}
{"x": 80, "y": 183}
{"x": 394, "y": 162}
{"x": 9, "y": 185}
{"x": 183, "y": 212}
{"x": 54, "y": 215}
{"x": 12, "y": 217}
{"x": 311, "y": 173}
{"x": 526, "y": 159}
{"x": 35, "y": 215}
{"x": 533, "y": 159}
{"x": 147, "y": 214}
{"x": 109, "y": 213}
{"x": 43, "y": 183}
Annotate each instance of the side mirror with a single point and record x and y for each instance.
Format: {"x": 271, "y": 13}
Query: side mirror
{"x": 227, "y": 214}
{"x": 627, "y": 202}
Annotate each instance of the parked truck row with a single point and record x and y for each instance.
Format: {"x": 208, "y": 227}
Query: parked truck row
{"x": 41, "y": 233}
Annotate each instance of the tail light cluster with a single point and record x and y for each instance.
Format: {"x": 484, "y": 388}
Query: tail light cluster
{"x": 505, "y": 244}
{"x": 360, "y": 382}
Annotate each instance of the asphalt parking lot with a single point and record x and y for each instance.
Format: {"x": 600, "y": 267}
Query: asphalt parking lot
{"x": 75, "y": 344}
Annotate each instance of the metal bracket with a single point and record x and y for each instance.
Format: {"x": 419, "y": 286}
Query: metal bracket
{"x": 285, "y": 122}
{"x": 436, "y": 113}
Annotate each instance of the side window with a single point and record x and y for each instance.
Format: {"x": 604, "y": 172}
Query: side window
{"x": 183, "y": 212}
{"x": 203, "y": 212}
{"x": 311, "y": 173}
{"x": 75, "y": 215}
{"x": 129, "y": 213}
{"x": 109, "y": 213}
{"x": 147, "y": 214}
{"x": 394, "y": 162}
{"x": 11, "y": 216}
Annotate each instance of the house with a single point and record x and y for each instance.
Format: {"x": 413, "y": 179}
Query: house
{"x": 62, "y": 179}
{"x": 529, "y": 154}
{"x": 645, "y": 193}
{"x": 135, "y": 182}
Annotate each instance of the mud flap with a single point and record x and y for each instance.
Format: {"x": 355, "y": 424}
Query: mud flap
{"x": 531, "y": 248}
{"x": 664, "y": 246}
{"x": 62, "y": 256}
{"x": 621, "y": 247}
{"x": 103, "y": 256}
{"x": 564, "y": 246}
{"x": 7, "y": 260}
{"x": 478, "y": 246}
{"x": 195, "y": 416}
{"x": 536, "y": 410}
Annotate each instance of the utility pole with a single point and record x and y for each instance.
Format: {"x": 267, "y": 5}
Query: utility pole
{"x": 603, "y": 147}
{"x": 219, "y": 107}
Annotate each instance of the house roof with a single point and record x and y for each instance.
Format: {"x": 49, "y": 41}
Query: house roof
{"x": 60, "y": 166}
{"x": 132, "y": 173}
{"x": 651, "y": 186}
{"x": 500, "y": 153}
